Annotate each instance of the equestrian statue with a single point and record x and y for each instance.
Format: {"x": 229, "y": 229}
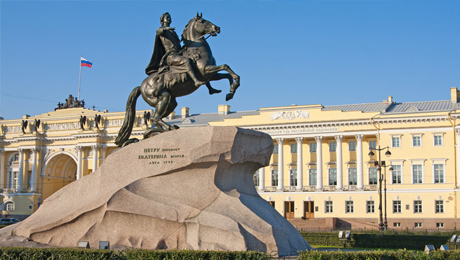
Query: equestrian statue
{"x": 176, "y": 71}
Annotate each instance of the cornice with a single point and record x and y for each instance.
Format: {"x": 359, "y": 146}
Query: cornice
{"x": 413, "y": 119}
{"x": 351, "y": 123}
{"x": 361, "y": 122}
{"x": 88, "y": 135}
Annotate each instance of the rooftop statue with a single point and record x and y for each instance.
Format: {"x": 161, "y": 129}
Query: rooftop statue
{"x": 70, "y": 102}
{"x": 176, "y": 71}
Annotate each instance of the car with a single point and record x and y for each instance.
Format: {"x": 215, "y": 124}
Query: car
{"x": 8, "y": 221}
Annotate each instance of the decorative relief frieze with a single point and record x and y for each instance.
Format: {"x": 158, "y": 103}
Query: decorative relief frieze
{"x": 299, "y": 130}
{"x": 11, "y": 129}
{"x": 114, "y": 122}
{"x": 62, "y": 126}
{"x": 289, "y": 115}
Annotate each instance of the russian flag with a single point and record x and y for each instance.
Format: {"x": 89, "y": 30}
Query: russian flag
{"x": 85, "y": 63}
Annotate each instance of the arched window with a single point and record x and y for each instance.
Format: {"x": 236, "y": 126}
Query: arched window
{"x": 14, "y": 159}
{"x": 9, "y": 206}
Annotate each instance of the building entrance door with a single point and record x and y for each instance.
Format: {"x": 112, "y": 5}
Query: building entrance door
{"x": 309, "y": 209}
{"x": 289, "y": 209}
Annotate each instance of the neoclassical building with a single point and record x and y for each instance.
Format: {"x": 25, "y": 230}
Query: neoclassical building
{"x": 329, "y": 167}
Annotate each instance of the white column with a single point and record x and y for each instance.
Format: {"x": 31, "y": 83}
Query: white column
{"x": 104, "y": 148}
{"x": 261, "y": 173}
{"x": 2, "y": 170}
{"x": 21, "y": 169}
{"x": 94, "y": 157}
{"x": 359, "y": 162}
{"x": 33, "y": 181}
{"x": 79, "y": 150}
{"x": 299, "y": 163}
{"x": 280, "y": 164}
{"x": 458, "y": 157}
{"x": 338, "y": 139}
{"x": 319, "y": 162}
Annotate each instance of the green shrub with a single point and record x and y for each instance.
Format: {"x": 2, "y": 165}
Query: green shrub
{"x": 22, "y": 253}
{"x": 191, "y": 254}
{"x": 58, "y": 253}
{"x": 375, "y": 255}
{"x": 378, "y": 239}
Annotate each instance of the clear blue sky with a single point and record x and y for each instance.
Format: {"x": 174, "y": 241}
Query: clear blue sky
{"x": 286, "y": 52}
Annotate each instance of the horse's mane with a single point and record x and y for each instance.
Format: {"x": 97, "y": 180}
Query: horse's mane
{"x": 186, "y": 29}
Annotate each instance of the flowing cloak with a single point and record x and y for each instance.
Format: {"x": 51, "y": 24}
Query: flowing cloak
{"x": 159, "y": 50}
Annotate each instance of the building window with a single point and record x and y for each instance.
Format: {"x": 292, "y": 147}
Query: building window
{"x": 15, "y": 180}
{"x": 312, "y": 147}
{"x": 396, "y": 206}
{"x": 14, "y": 159}
{"x": 370, "y": 206}
{"x": 396, "y": 224}
{"x": 293, "y": 174}
{"x": 372, "y": 145}
{"x": 439, "y": 206}
{"x": 9, "y": 206}
{"x": 332, "y": 147}
{"x": 352, "y": 146}
{"x": 293, "y": 148}
{"x": 396, "y": 176}
{"x": 275, "y": 149}
{"x": 373, "y": 176}
{"x": 352, "y": 176}
{"x": 417, "y": 173}
{"x": 274, "y": 177}
{"x": 418, "y": 224}
{"x": 332, "y": 176}
{"x": 416, "y": 141}
{"x": 349, "y": 206}
{"x": 328, "y": 206}
{"x": 418, "y": 206}
{"x": 439, "y": 225}
{"x": 438, "y": 173}
{"x": 312, "y": 177}
{"x": 396, "y": 141}
{"x": 256, "y": 178}
{"x": 438, "y": 140}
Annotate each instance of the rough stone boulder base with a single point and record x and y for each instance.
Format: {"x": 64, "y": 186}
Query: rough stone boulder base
{"x": 186, "y": 189}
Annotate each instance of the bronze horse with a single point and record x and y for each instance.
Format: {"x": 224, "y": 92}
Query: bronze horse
{"x": 160, "y": 90}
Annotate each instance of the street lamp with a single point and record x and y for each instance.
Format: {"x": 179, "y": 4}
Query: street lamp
{"x": 385, "y": 191}
{"x": 382, "y": 177}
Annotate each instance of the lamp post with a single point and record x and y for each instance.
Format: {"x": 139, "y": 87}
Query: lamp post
{"x": 385, "y": 193}
{"x": 382, "y": 178}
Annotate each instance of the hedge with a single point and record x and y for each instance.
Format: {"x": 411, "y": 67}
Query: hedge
{"x": 190, "y": 254}
{"x": 387, "y": 240}
{"x": 377, "y": 255}
{"x": 11, "y": 253}
{"x": 23, "y": 253}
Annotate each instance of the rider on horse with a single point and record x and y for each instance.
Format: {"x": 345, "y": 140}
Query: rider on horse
{"x": 167, "y": 52}
{"x": 171, "y": 75}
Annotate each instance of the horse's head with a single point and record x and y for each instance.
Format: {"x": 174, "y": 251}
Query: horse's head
{"x": 198, "y": 27}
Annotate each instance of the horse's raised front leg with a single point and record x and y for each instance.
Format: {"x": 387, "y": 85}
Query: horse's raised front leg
{"x": 211, "y": 69}
{"x": 219, "y": 76}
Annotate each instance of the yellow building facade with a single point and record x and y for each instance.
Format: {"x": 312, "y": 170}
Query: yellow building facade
{"x": 322, "y": 172}
{"x": 322, "y": 167}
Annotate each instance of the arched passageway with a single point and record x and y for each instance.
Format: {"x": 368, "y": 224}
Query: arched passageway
{"x": 59, "y": 171}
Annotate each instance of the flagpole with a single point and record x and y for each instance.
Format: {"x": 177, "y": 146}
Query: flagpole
{"x": 79, "y": 81}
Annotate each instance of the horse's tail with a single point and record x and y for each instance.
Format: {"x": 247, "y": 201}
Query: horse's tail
{"x": 127, "y": 127}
